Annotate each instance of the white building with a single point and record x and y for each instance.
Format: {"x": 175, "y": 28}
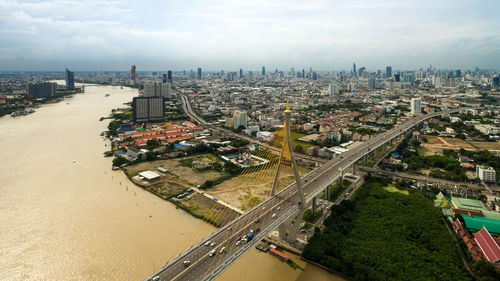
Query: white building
{"x": 157, "y": 90}
{"x": 416, "y": 106}
{"x": 265, "y": 136}
{"x": 485, "y": 173}
{"x": 333, "y": 89}
{"x": 239, "y": 119}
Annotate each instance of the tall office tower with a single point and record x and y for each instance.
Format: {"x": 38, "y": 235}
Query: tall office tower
{"x": 496, "y": 81}
{"x": 70, "y": 80}
{"x": 199, "y": 72}
{"x": 44, "y": 89}
{"x": 157, "y": 90}
{"x": 371, "y": 83}
{"x": 458, "y": 73}
{"x": 132, "y": 73}
{"x": 315, "y": 76}
{"x": 303, "y": 73}
{"x": 164, "y": 78}
{"x": 416, "y": 106}
{"x": 379, "y": 74}
{"x": 241, "y": 73}
{"x": 192, "y": 74}
{"x": 397, "y": 77}
{"x": 354, "y": 68}
{"x": 292, "y": 72}
{"x": 239, "y": 119}
{"x": 148, "y": 109}
{"x": 263, "y": 71}
{"x": 388, "y": 71}
{"x": 169, "y": 77}
{"x": 250, "y": 73}
{"x": 333, "y": 89}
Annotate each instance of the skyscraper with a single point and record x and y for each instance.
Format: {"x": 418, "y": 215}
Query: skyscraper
{"x": 157, "y": 90}
{"x": 239, "y": 118}
{"x": 354, "y": 68}
{"x": 169, "y": 79}
{"x": 371, "y": 83}
{"x": 388, "y": 71}
{"x": 303, "y": 73}
{"x": 132, "y": 73}
{"x": 148, "y": 109}
{"x": 241, "y": 73}
{"x": 416, "y": 107}
{"x": 70, "y": 80}
{"x": 333, "y": 89}
{"x": 45, "y": 89}
{"x": 397, "y": 78}
{"x": 164, "y": 78}
{"x": 199, "y": 72}
{"x": 263, "y": 71}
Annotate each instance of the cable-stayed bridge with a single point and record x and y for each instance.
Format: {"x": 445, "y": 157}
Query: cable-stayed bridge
{"x": 203, "y": 262}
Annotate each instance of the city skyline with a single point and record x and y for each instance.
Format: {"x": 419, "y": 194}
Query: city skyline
{"x": 323, "y": 35}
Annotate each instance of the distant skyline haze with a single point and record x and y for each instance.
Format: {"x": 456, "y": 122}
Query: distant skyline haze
{"x": 219, "y": 34}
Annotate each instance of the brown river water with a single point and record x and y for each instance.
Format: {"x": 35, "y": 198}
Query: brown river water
{"x": 65, "y": 215}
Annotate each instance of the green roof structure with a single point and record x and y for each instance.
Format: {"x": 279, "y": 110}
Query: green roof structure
{"x": 477, "y": 223}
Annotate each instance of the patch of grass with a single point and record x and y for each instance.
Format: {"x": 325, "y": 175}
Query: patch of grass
{"x": 312, "y": 217}
{"x": 392, "y": 188}
{"x": 293, "y": 265}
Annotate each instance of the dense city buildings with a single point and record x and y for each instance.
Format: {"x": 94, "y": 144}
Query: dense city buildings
{"x": 155, "y": 89}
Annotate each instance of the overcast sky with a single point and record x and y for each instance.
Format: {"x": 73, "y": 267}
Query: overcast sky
{"x": 219, "y": 34}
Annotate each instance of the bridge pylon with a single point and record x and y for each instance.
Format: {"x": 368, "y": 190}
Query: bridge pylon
{"x": 288, "y": 230}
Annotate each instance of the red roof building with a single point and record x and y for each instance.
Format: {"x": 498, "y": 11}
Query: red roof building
{"x": 279, "y": 254}
{"x": 488, "y": 246}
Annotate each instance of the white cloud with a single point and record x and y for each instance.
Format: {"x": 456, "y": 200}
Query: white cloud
{"x": 232, "y": 34}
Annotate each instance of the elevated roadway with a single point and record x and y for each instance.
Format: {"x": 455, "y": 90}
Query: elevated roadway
{"x": 197, "y": 264}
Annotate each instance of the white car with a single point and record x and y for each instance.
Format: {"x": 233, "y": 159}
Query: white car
{"x": 207, "y": 243}
{"x": 279, "y": 208}
{"x": 186, "y": 263}
{"x": 212, "y": 253}
{"x": 212, "y": 244}
{"x": 156, "y": 278}
{"x": 273, "y": 216}
{"x": 263, "y": 208}
{"x": 222, "y": 250}
{"x": 238, "y": 243}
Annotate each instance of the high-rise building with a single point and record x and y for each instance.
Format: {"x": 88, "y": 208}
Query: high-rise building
{"x": 239, "y": 119}
{"x": 397, "y": 78}
{"x": 157, "y": 90}
{"x": 388, "y": 71}
{"x": 263, "y": 71}
{"x": 333, "y": 89}
{"x": 496, "y": 81}
{"x": 303, "y": 73}
{"x": 164, "y": 80}
{"x": 241, "y": 73}
{"x": 371, "y": 83}
{"x": 354, "y": 68}
{"x": 148, "y": 109}
{"x": 458, "y": 73}
{"x": 486, "y": 174}
{"x": 41, "y": 90}
{"x": 199, "y": 72}
{"x": 132, "y": 73}
{"x": 416, "y": 106}
{"x": 70, "y": 80}
{"x": 169, "y": 77}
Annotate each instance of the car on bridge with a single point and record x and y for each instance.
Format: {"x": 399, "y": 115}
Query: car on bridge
{"x": 186, "y": 263}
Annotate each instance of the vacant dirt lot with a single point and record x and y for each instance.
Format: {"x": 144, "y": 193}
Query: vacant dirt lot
{"x": 247, "y": 190}
{"x": 176, "y": 171}
{"x": 208, "y": 209}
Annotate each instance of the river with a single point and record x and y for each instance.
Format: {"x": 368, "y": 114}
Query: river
{"x": 65, "y": 215}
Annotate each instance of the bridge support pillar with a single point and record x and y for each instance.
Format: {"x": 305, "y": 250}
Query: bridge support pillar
{"x": 314, "y": 204}
{"x": 327, "y": 193}
{"x": 365, "y": 159}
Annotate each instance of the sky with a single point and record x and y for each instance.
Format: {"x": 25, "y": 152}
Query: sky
{"x": 229, "y": 35}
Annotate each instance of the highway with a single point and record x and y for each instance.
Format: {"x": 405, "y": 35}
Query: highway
{"x": 186, "y": 106}
{"x": 268, "y": 215}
